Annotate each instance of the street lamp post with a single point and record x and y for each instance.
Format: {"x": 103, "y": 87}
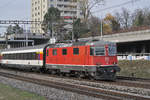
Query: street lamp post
{"x": 101, "y": 28}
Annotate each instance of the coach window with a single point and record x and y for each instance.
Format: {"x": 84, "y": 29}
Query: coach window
{"x": 76, "y": 51}
{"x": 5, "y": 56}
{"x": 15, "y": 56}
{"x": 31, "y": 56}
{"x": 34, "y": 56}
{"x": 64, "y": 51}
{"x": 20, "y": 56}
{"x": 25, "y": 56}
{"x": 28, "y": 56}
{"x": 11, "y": 56}
{"x": 54, "y": 52}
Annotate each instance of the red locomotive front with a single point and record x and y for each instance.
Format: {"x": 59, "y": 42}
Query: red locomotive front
{"x": 104, "y": 57}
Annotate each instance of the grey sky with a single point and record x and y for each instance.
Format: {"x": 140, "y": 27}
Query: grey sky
{"x": 139, "y": 4}
{"x": 15, "y": 9}
{"x": 20, "y": 9}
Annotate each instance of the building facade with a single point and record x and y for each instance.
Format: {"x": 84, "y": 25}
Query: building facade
{"x": 70, "y": 10}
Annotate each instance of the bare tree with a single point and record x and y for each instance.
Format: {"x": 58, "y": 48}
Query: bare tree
{"x": 138, "y": 17}
{"x": 147, "y": 21}
{"x": 147, "y": 16}
{"x": 126, "y": 18}
{"x": 118, "y": 17}
{"x": 94, "y": 25}
{"x": 87, "y": 5}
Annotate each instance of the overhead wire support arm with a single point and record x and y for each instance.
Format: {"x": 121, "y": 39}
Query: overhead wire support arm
{"x": 19, "y": 22}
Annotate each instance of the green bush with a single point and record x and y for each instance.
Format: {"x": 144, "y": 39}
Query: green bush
{"x": 10, "y": 93}
{"x": 138, "y": 68}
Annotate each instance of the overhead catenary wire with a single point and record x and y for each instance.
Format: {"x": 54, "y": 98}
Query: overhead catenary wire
{"x": 115, "y": 6}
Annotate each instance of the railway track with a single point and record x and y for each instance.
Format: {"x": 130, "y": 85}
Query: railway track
{"x": 121, "y": 80}
{"x": 136, "y": 84}
{"x": 133, "y": 78}
{"x": 81, "y": 89}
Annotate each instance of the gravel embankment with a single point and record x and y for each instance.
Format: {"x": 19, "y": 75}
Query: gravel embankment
{"x": 49, "y": 93}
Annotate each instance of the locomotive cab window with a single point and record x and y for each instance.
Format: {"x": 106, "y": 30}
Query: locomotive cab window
{"x": 99, "y": 51}
{"x": 64, "y": 51}
{"x": 76, "y": 51}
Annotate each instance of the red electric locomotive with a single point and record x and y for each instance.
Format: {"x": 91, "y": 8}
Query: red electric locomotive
{"x": 93, "y": 59}
{"x": 96, "y": 60}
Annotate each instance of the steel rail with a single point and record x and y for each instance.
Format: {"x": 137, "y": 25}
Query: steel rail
{"x": 80, "y": 89}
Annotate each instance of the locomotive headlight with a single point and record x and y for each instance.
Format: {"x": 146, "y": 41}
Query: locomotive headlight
{"x": 115, "y": 63}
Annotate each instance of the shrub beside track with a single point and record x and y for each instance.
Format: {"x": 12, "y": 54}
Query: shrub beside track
{"x": 138, "y": 68}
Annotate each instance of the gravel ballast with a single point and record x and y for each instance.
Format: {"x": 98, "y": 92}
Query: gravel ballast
{"x": 49, "y": 93}
{"x": 106, "y": 86}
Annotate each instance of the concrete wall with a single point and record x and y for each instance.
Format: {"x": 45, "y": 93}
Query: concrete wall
{"x": 125, "y": 37}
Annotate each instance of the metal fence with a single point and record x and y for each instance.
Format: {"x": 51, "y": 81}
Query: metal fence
{"x": 135, "y": 56}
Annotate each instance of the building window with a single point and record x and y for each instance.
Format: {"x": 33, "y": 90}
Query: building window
{"x": 60, "y": 0}
{"x": 35, "y": 15}
{"x": 76, "y": 51}
{"x": 81, "y": 13}
{"x": 66, "y": 0}
{"x": 43, "y": 6}
{"x": 64, "y": 51}
{"x": 60, "y": 5}
{"x": 54, "y": 52}
{"x": 51, "y": 5}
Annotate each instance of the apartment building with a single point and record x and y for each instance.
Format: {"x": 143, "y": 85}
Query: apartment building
{"x": 69, "y": 11}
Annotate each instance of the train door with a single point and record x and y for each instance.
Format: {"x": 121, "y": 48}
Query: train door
{"x": 86, "y": 60}
{"x": 39, "y": 57}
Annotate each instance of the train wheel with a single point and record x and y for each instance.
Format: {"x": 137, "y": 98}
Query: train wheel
{"x": 80, "y": 75}
{"x": 42, "y": 70}
{"x": 91, "y": 78}
{"x": 67, "y": 75}
{"x": 54, "y": 72}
